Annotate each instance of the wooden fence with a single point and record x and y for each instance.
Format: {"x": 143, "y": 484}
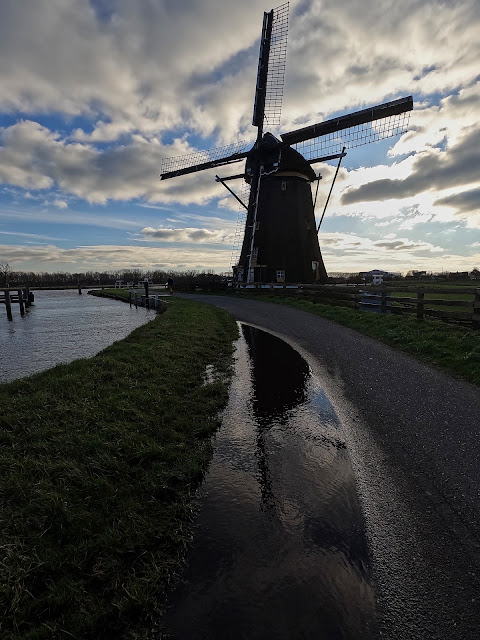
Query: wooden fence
{"x": 463, "y": 303}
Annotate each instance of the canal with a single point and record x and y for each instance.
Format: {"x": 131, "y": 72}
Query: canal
{"x": 60, "y": 327}
{"x": 279, "y": 549}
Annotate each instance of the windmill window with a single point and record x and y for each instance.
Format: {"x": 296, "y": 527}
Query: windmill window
{"x": 255, "y": 252}
{"x": 280, "y": 275}
{"x": 284, "y": 185}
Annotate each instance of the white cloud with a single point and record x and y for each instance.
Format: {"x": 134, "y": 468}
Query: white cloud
{"x": 352, "y": 252}
{"x": 33, "y": 157}
{"x": 148, "y": 79}
{"x": 113, "y": 257}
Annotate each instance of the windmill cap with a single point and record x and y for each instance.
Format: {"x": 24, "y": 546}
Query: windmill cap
{"x": 277, "y": 156}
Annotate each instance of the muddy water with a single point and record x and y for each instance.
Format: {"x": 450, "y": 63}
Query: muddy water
{"x": 279, "y": 549}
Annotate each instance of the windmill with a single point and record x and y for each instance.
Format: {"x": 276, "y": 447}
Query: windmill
{"x": 280, "y": 237}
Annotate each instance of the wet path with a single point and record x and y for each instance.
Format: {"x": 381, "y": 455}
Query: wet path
{"x": 413, "y": 435}
{"x": 279, "y": 549}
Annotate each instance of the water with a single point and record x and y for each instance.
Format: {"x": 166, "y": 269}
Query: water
{"x": 279, "y": 549}
{"x": 60, "y": 327}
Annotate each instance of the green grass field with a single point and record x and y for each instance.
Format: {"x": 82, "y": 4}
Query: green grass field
{"x": 99, "y": 462}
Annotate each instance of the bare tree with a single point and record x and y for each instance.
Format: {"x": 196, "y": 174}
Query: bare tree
{"x": 5, "y": 273}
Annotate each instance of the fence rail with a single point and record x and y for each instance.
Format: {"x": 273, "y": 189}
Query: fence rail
{"x": 421, "y": 301}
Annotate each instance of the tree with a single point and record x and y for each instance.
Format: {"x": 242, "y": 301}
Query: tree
{"x": 5, "y": 273}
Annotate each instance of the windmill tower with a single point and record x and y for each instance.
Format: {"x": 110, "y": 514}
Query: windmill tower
{"x": 280, "y": 241}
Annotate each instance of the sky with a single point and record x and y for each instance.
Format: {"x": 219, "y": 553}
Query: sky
{"x": 95, "y": 93}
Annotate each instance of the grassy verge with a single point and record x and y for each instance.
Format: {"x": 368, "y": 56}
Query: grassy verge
{"x": 99, "y": 459}
{"x": 451, "y": 348}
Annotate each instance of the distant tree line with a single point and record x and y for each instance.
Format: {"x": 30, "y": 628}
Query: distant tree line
{"x": 183, "y": 279}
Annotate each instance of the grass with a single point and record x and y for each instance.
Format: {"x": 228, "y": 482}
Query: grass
{"x": 467, "y": 297}
{"x": 452, "y": 348}
{"x": 99, "y": 461}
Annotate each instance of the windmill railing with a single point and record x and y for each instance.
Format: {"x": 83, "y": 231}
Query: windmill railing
{"x": 460, "y": 305}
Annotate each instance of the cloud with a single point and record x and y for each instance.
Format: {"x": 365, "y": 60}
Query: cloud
{"x": 113, "y": 257}
{"x": 150, "y": 67}
{"x": 97, "y": 93}
{"x": 68, "y": 58}
{"x": 464, "y": 202}
{"x": 96, "y": 219}
{"x": 402, "y": 244}
{"x": 353, "y": 252}
{"x": 33, "y": 157}
{"x": 202, "y": 236}
{"x": 433, "y": 169}
{"x": 36, "y": 236}
{"x": 133, "y": 71}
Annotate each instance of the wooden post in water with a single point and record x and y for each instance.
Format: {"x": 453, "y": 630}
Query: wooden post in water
{"x": 420, "y": 305}
{"x": 79, "y": 289}
{"x": 130, "y": 298}
{"x": 20, "y": 302}
{"x": 8, "y": 305}
{"x": 476, "y": 311}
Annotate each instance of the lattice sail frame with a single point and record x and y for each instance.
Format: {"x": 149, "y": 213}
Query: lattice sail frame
{"x": 177, "y": 163}
{"x": 276, "y": 66}
{"x": 354, "y": 136}
{"x": 244, "y": 195}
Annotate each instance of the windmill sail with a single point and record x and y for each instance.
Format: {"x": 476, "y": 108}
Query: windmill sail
{"x": 271, "y": 68}
{"x": 240, "y": 228}
{"x": 200, "y": 160}
{"x": 353, "y": 130}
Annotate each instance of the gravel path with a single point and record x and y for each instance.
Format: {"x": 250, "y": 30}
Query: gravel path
{"x": 413, "y": 436}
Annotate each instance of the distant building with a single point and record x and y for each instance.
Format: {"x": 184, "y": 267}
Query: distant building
{"x": 377, "y": 276}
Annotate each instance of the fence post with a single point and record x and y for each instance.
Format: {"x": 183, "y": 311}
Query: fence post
{"x": 476, "y": 310}
{"x": 8, "y": 305}
{"x": 420, "y": 305}
{"x": 383, "y": 303}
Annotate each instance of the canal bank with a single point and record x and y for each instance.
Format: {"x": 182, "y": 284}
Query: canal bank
{"x": 99, "y": 460}
{"x": 60, "y": 327}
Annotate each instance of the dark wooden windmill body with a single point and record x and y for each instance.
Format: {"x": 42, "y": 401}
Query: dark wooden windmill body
{"x": 282, "y": 240}
{"x": 280, "y": 235}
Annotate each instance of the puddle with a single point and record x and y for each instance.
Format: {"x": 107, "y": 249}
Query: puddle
{"x": 279, "y": 548}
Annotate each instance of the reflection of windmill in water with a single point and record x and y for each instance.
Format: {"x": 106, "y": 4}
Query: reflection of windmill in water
{"x": 280, "y": 239}
{"x": 275, "y": 396}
